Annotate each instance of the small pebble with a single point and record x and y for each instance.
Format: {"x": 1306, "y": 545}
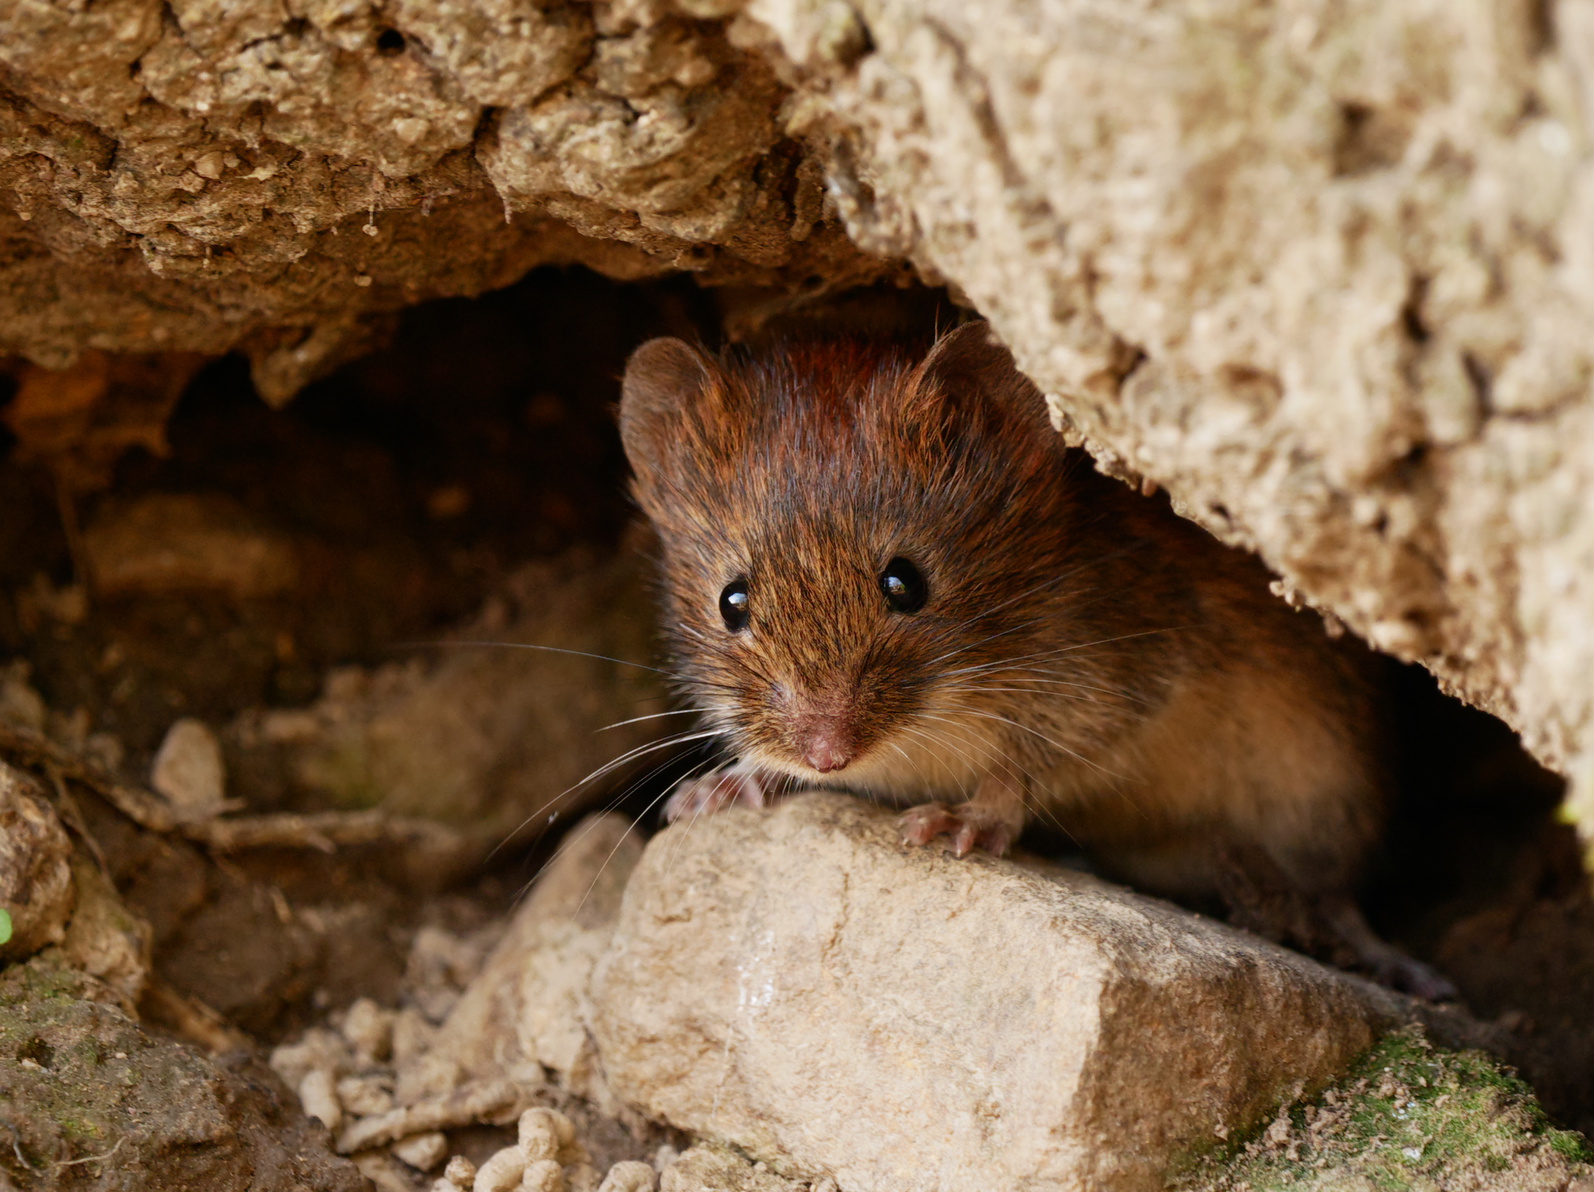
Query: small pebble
{"x": 461, "y": 1171}
{"x": 319, "y": 1048}
{"x": 664, "y": 1157}
{"x": 540, "y": 1134}
{"x": 543, "y": 1175}
{"x": 630, "y": 1176}
{"x": 502, "y": 1172}
{"x": 365, "y": 1095}
{"x": 369, "y": 1028}
{"x": 422, "y": 1151}
{"x": 188, "y": 771}
{"x": 319, "y": 1097}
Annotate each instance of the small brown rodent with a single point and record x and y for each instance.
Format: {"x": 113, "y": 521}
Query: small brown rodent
{"x": 890, "y": 576}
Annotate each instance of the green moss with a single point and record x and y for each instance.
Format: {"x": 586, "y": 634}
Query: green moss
{"x": 1408, "y": 1116}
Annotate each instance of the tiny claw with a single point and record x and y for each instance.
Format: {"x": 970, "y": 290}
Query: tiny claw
{"x": 714, "y": 791}
{"x": 970, "y": 825}
{"x": 920, "y": 825}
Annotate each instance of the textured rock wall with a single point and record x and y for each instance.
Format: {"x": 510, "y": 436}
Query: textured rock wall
{"x": 277, "y": 175}
{"x": 1323, "y": 268}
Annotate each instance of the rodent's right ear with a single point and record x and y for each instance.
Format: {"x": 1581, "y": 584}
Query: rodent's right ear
{"x": 662, "y": 378}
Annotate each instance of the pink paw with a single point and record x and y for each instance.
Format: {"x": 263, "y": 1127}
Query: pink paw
{"x": 970, "y": 825}
{"x": 714, "y": 791}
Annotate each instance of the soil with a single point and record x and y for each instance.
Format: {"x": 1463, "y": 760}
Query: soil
{"x": 410, "y": 484}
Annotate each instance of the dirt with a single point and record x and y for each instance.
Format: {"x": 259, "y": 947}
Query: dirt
{"x": 406, "y": 488}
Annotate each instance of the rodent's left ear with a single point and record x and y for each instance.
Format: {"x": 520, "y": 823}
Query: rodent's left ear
{"x": 971, "y": 363}
{"x": 662, "y": 378}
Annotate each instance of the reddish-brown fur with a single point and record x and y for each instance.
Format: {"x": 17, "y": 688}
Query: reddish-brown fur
{"x": 1084, "y": 655}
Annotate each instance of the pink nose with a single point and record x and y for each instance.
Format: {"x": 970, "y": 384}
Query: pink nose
{"x": 828, "y": 748}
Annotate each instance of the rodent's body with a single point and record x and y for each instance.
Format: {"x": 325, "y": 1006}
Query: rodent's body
{"x": 888, "y": 575}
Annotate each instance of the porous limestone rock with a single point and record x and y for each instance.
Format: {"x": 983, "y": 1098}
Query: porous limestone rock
{"x": 798, "y": 984}
{"x": 281, "y": 177}
{"x": 1325, "y": 271}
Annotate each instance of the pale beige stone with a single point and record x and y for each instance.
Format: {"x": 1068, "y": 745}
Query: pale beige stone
{"x": 801, "y": 986}
{"x": 526, "y": 1010}
{"x": 189, "y": 772}
{"x": 422, "y": 1151}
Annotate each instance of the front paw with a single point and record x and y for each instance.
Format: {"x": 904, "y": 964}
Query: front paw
{"x": 714, "y": 791}
{"x": 970, "y": 826}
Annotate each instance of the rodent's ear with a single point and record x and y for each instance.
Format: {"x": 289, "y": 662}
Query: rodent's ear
{"x": 970, "y": 364}
{"x": 662, "y": 378}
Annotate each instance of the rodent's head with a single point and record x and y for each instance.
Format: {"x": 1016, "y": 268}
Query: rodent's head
{"x": 846, "y": 530}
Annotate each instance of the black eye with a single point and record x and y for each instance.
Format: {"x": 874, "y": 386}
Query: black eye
{"x": 733, "y": 605}
{"x": 904, "y": 587}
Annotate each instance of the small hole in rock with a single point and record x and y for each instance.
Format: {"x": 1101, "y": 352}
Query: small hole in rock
{"x": 390, "y": 41}
{"x": 37, "y": 1051}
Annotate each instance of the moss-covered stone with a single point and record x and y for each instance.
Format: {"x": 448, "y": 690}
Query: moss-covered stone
{"x": 83, "y": 1090}
{"x": 1408, "y": 1116}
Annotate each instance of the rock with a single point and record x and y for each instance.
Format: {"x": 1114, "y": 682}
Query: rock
{"x": 35, "y": 866}
{"x": 630, "y": 1176}
{"x": 381, "y": 152}
{"x": 797, "y": 984}
{"x": 188, "y": 770}
{"x": 486, "y": 734}
{"x": 526, "y": 1010}
{"x": 423, "y": 1151}
{"x": 318, "y": 1096}
{"x": 81, "y": 1084}
{"x": 105, "y": 939}
{"x": 1302, "y": 281}
{"x": 1408, "y": 1115}
{"x": 173, "y": 543}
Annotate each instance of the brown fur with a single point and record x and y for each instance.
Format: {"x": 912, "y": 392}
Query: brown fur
{"x": 1108, "y": 665}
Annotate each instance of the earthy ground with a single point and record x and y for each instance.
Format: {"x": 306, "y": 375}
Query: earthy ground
{"x": 410, "y": 485}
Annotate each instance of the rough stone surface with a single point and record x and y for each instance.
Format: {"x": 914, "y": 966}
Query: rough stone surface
{"x": 790, "y": 981}
{"x": 35, "y": 867}
{"x": 1324, "y": 271}
{"x": 490, "y": 736}
{"x": 526, "y": 1010}
{"x": 278, "y": 177}
{"x": 89, "y": 1101}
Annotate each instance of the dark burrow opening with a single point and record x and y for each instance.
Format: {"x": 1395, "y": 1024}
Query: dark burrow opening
{"x": 413, "y": 483}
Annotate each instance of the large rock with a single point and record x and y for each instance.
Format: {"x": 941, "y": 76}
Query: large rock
{"x": 1324, "y": 271}
{"x": 798, "y": 984}
{"x": 278, "y": 177}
